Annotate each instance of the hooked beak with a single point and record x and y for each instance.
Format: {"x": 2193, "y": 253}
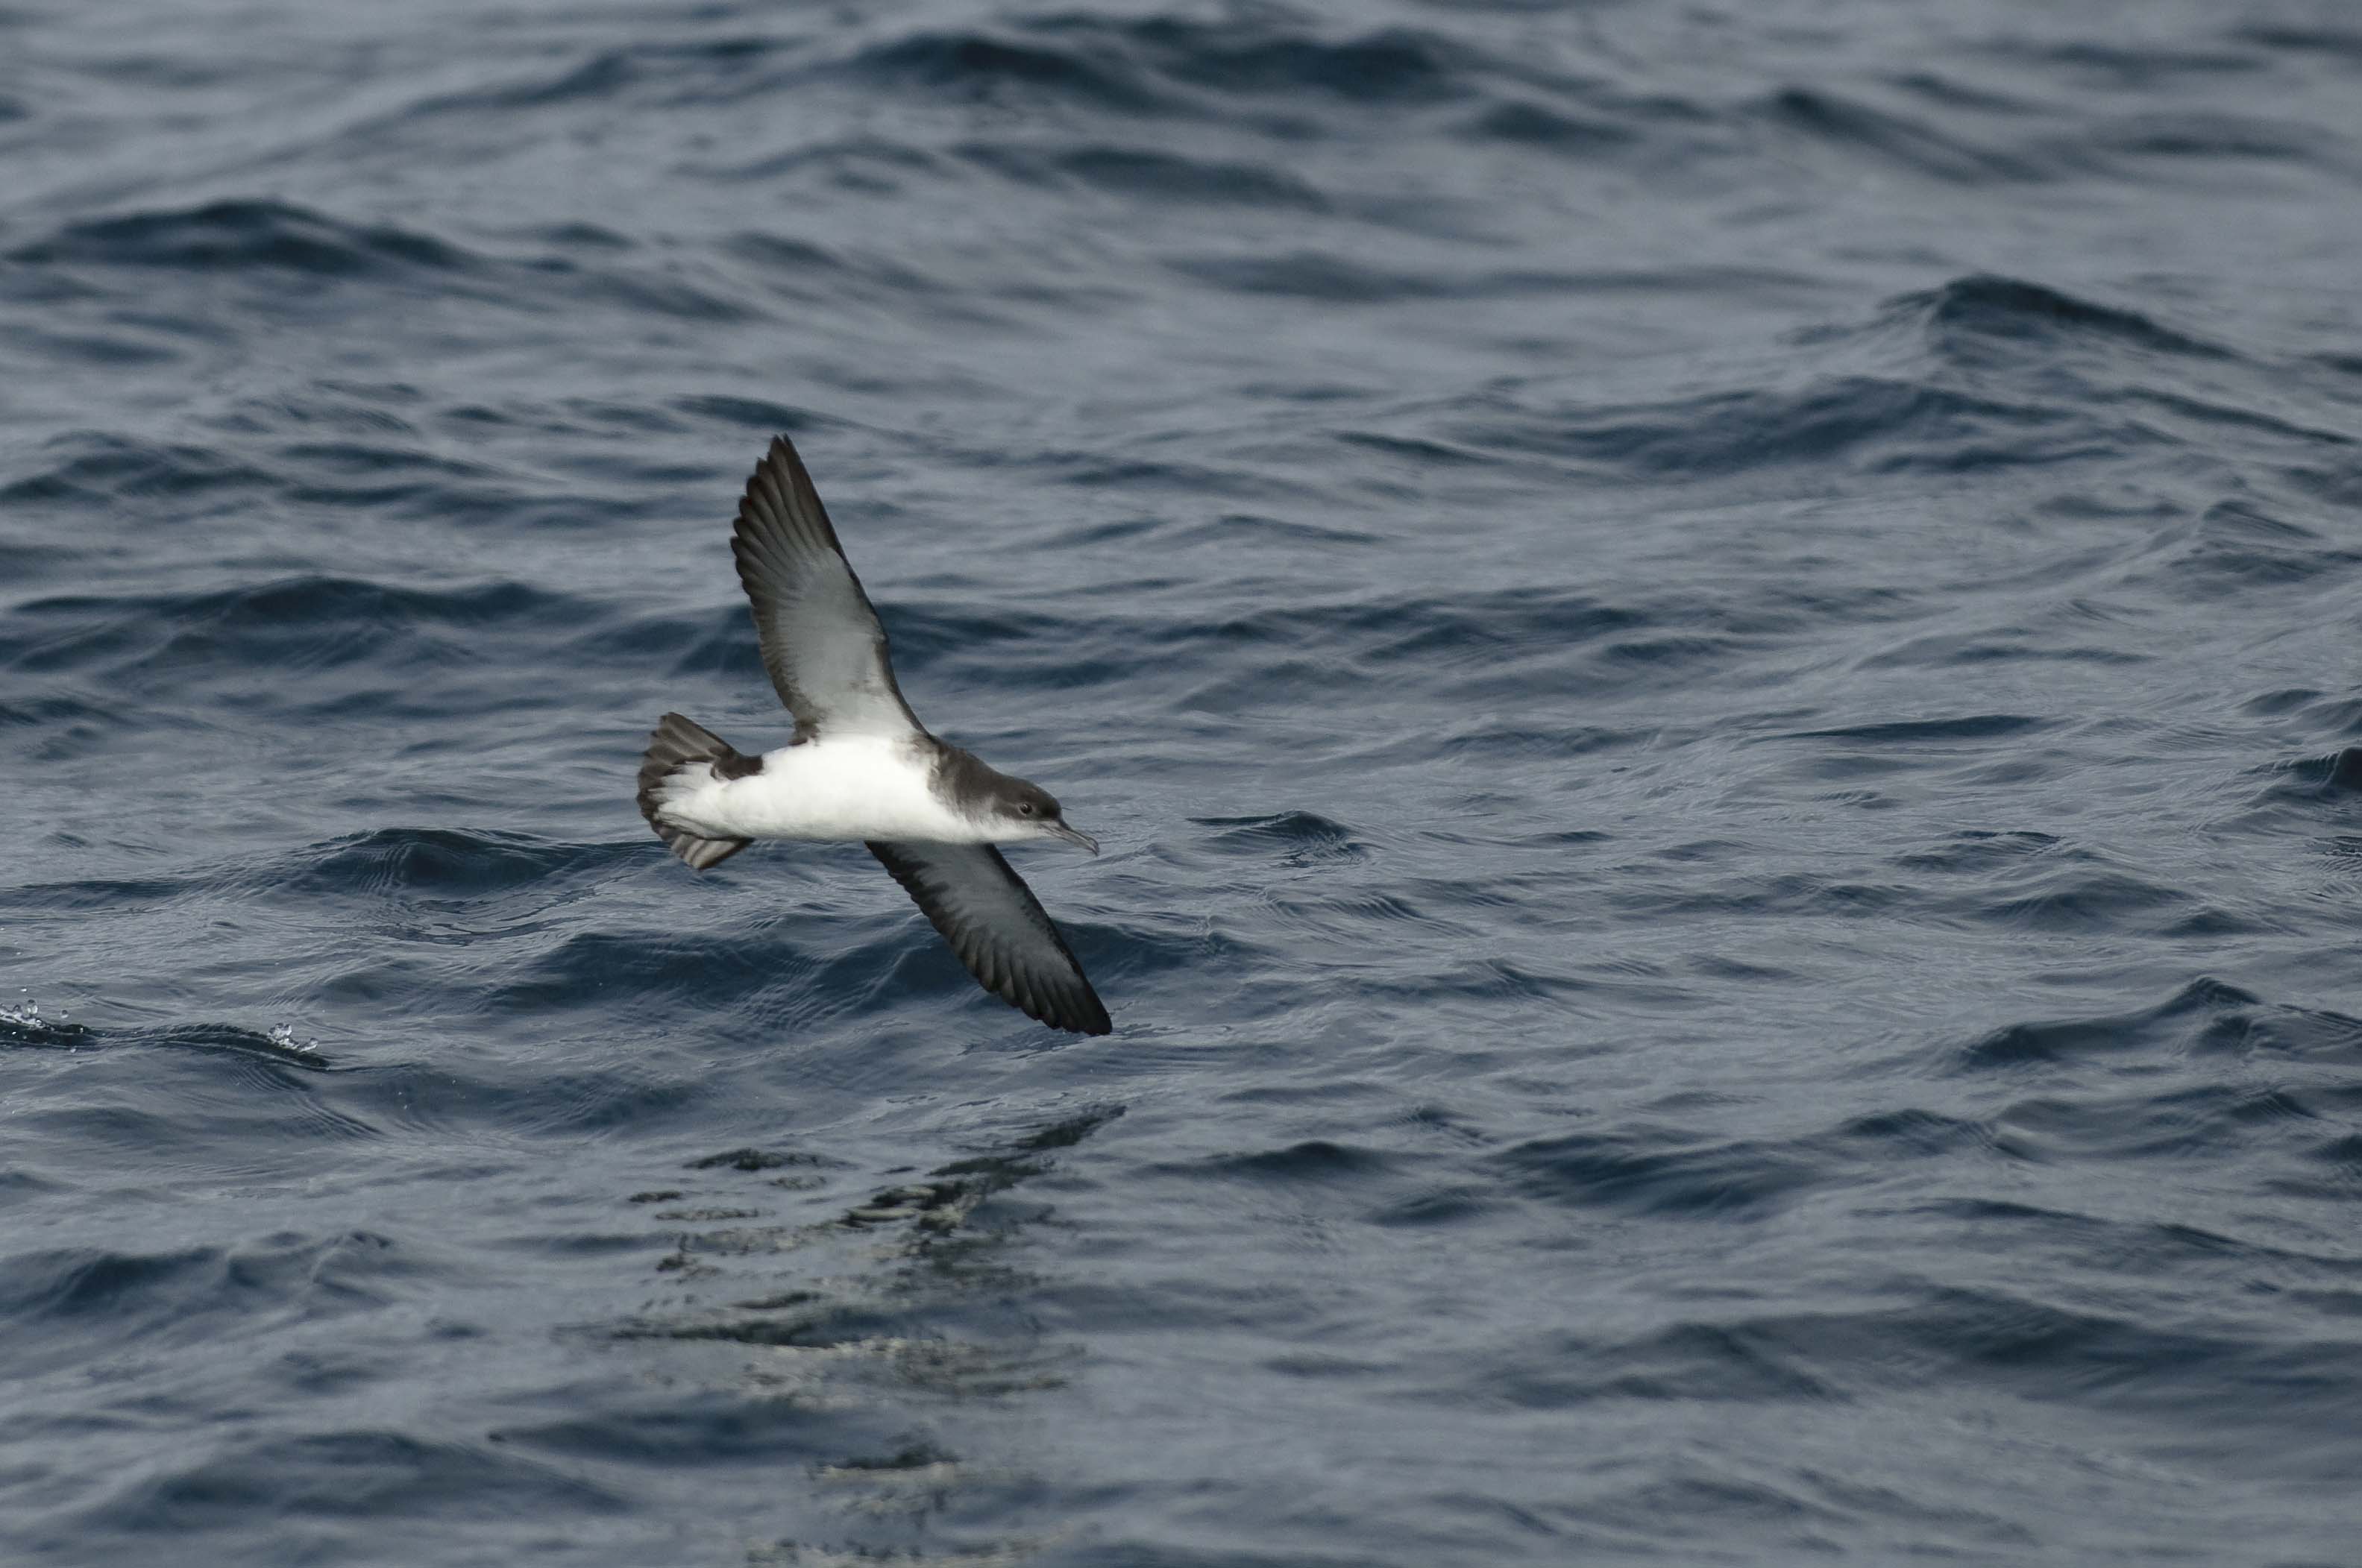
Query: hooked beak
{"x": 1060, "y": 831}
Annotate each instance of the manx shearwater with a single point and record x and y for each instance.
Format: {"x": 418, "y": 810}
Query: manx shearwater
{"x": 862, "y": 766}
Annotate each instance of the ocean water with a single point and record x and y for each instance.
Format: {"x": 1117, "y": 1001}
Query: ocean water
{"x": 1713, "y": 647}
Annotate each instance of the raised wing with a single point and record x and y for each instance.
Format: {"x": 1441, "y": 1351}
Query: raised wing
{"x": 821, "y": 639}
{"x": 997, "y": 926}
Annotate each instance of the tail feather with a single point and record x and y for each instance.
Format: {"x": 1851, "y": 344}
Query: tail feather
{"x": 675, "y": 743}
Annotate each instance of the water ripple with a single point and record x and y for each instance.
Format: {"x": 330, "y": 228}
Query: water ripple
{"x": 1709, "y": 647}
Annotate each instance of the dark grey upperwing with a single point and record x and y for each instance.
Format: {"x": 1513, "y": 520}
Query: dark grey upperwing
{"x": 822, "y": 642}
{"x": 997, "y": 926}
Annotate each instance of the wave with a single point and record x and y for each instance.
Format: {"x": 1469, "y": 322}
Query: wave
{"x": 233, "y": 235}
{"x": 2204, "y": 1016}
{"x": 1970, "y": 318}
{"x": 1900, "y": 140}
{"x": 1710, "y": 654}
{"x": 293, "y": 627}
{"x": 24, "y": 1027}
{"x": 1080, "y": 68}
{"x": 1155, "y": 64}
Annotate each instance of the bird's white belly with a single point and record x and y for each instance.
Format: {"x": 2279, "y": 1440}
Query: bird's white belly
{"x": 837, "y": 788}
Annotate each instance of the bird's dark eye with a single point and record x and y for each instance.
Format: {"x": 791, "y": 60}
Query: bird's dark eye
{"x": 1025, "y": 808}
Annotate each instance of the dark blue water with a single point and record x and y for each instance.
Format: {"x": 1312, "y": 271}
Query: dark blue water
{"x": 1715, "y": 649}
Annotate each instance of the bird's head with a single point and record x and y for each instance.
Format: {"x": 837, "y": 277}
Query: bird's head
{"x": 1029, "y": 811}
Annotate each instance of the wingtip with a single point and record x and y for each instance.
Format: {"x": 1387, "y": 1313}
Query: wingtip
{"x": 1076, "y": 1014}
{"x": 779, "y": 511}
{"x": 779, "y": 457}
{"x": 1086, "y": 1014}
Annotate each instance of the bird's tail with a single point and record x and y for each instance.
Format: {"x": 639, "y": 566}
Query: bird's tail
{"x": 676, "y": 743}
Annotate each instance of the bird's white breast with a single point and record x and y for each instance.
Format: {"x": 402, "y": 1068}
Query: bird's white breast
{"x": 835, "y": 787}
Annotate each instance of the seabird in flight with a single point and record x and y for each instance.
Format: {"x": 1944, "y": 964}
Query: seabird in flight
{"x": 862, "y": 766}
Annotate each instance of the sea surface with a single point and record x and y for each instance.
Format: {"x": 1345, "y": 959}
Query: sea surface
{"x": 1715, "y": 647}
